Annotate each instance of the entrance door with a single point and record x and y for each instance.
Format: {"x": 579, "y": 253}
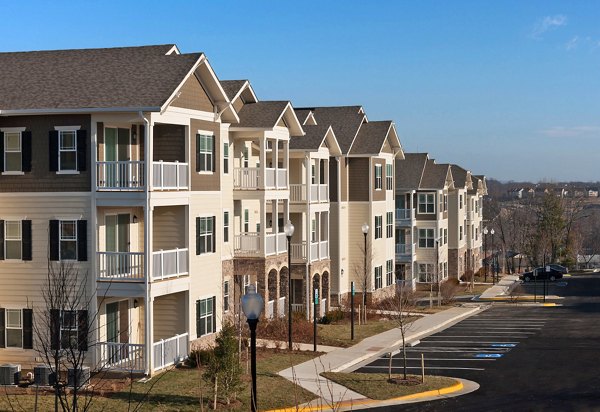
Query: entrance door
{"x": 117, "y": 242}
{"x": 112, "y": 332}
{"x": 116, "y": 151}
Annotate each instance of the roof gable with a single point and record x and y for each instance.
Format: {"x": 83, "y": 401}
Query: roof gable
{"x": 345, "y": 121}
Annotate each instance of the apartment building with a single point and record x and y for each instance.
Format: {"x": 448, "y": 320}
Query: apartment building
{"x": 459, "y": 223}
{"x": 422, "y": 210}
{"x": 475, "y": 222}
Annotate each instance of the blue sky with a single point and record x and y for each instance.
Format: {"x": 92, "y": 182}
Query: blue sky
{"x": 506, "y": 89}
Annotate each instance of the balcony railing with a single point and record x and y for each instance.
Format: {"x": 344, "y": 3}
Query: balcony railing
{"x": 298, "y": 307}
{"x": 470, "y": 216}
{"x": 403, "y": 214}
{"x": 297, "y": 193}
{"x": 247, "y": 244}
{"x": 126, "y": 175}
{"x": 246, "y": 178}
{"x": 319, "y": 250}
{"x": 122, "y": 356}
{"x": 169, "y": 263}
{"x": 318, "y": 193}
{"x": 404, "y": 248}
{"x": 281, "y": 243}
{"x": 170, "y": 175}
{"x": 167, "y": 352}
{"x": 299, "y": 252}
{"x": 282, "y": 177}
{"x": 121, "y": 266}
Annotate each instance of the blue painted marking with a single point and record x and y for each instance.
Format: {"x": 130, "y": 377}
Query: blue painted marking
{"x": 488, "y": 355}
{"x": 503, "y": 345}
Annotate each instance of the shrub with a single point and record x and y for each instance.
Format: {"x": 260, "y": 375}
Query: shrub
{"x": 467, "y": 276}
{"x": 332, "y": 316}
{"x": 199, "y": 357}
{"x": 448, "y": 290}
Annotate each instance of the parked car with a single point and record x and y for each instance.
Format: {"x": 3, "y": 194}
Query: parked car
{"x": 559, "y": 268}
{"x": 541, "y": 274}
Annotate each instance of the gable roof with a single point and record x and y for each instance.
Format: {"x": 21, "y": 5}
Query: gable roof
{"x": 345, "y": 120}
{"x": 409, "y": 170}
{"x": 262, "y": 115}
{"x": 460, "y": 176}
{"x": 302, "y": 114}
{"x": 123, "y": 77}
{"x": 232, "y": 87}
{"x": 370, "y": 138}
{"x": 314, "y": 137}
{"x": 435, "y": 175}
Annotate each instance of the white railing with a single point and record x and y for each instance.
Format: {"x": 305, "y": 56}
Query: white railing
{"x": 270, "y": 309}
{"x": 122, "y": 356}
{"x": 121, "y": 266}
{"x": 282, "y": 178}
{"x": 318, "y": 193}
{"x": 297, "y": 193}
{"x": 247, "y": 243}
{"x": 281, "y": 309}
{"x": 298, "y": 252}
{"x": 314, "y": 251}
{"x": 402, "y": 214}
{"x": 127, "y": 175}
{"x": 270, "y": 244}
{"x": 170, "y": 175}
{"x": 270, "y": 174}
{"x": 323, "y": 193}
{"x": 322, "y": 307}
{"x": 404, "y": 248}
{"x": 281, "y": 243}
{"x": 246, "y": 178}
{"x": 169, "y": 263}
{"x": 167, "y": 352}
{"x": 297, "y": 307}
{"x": 324, "y": 249}
{"x": 314, "y": 193}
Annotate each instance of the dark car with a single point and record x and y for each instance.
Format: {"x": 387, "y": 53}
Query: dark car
{"x": 559, "y": 268}
{"x": 541, "y": 274}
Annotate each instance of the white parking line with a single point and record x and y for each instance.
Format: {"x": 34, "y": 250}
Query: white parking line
{"x": 466, "y": 341}
{"x": 426, "y": 368}
{"x": 441, "y": 349}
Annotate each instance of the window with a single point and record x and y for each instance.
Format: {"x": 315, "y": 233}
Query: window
{"x": 313, "y": 231}
{"x": 225, "y": 158}
{"x": 245, "y": 157}
{"x": 460, "y": 233}
{"x": 205, "y": 153}
{"x": 225, "y": 227}
{"x": 68, "y": 240}
{"x": 378, "y": 227}
{"x": 445, "y": 203}
{"x": 246, "y": 283}
{"x": 12, "y": 240}
{"x": 460, "y": 201}
{"x": 426, "y": 203}
{"x": 441, "y": 237}
{"x": 476, "y": 233}
{"x": 389, "y": 177}
{"x": 378, "y": 181}
{"x": 14, "y": 328}
{"x": 205, "y": 235}
{"x": 389, "y": 272}
{"x": 68, "y": 329}
{"x": 246, "y": 221}
{"x": 313, "y": 174}
{"x": 476, "y": 208}
{"x": 67, "y": 150}
{"x": 445, "y": 236}
{"x": 205, "y": 316}
{"x": 389, "y": 224}
{"x": 426, "y": 272}
{"x": 378, "y": 277}
{"x": 226, "y": 296}
{"x": 12, "y": 152}
{"x": 445, "y": 269}
{"x": 426, "y": 238}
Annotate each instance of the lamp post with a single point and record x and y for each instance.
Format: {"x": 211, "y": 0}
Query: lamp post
{"x": 365, "y": 230}
{"x": 252, "y": 305}
{"x": 437, "y": 269}
{"x": 485, "y": 259}
{"x": 493, "y": 266}
{"x": 289, "y": 232}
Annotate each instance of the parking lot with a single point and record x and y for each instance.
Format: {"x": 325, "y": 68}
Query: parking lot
{"x": 469, "y": 347}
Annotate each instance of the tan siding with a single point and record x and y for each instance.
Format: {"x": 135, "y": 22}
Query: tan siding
{"x": 358, "y": 179}
{"x": 238, "y": 104}
{"x": 378, "y": 194}
{"x": 40, "y": 179}
{"x": 206, "y": 181}
{"x": 193, "y": 96}
{"x": 333, "y": 179}
{"x": 169, "y": 228}
{"x": 169, "y": 315}
{"x": 344, "y": 178}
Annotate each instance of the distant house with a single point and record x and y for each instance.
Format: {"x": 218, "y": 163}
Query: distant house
{"x": 591, "y": 192}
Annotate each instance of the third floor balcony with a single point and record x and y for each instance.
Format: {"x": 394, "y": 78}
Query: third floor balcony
{"x": 257, "y": 178}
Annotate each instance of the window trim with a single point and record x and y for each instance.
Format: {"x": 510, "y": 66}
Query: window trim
{"x": 225, "y": 157}
{"x": 426, "y": 238}
{"x": 389, "y": 272}
{"x": 429, "y": 272}
{"x": 60, "y": 239}
{"x": 226, "y": 226}
{"x": 389, "y": 176}
{"x": 378, "y": 177}
{"x": 378, "y": 277}
{"x": 226, "y": 296}
{"x": 5, "y": 131}
{"x": 389, "y": 225}
{"x": 208, "y": 315}
{"x": 378, "y": 226}
{"x": 206, "y": 134}
{"x": 6, "y": 328}
{"x": 6, "y": 239}
{"x": 426, "y": 203}
{"x": 208, "y": 235}
{"x": 60, "y": 130}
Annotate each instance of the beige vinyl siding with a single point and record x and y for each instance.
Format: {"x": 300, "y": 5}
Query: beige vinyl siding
{"x": 358, "y": 213}
{"x": 193, "y": 96}
{"x": 169, "y": 229}
{"x": 169, "y": 143}
{"x": 358, "y": 179}
{"x": 169, "y": 315}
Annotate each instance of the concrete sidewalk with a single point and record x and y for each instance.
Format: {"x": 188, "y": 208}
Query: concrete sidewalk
{"x": 502, "y": 288}
{"x": 307, "y": 374}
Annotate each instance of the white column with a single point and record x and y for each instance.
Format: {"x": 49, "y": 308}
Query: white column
{"x": 262, "y": 159}
{"x": 261, "y": 235}
{"x": 286, "y": 160}
{"x": 327, "y": 177}
{"x": 275, "y": 152}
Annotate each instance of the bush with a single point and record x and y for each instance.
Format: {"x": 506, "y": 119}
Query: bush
{"x": 448, "y": 290}
{"x": 467, "y": 276}
{"x": 332, "y": 317}
{"x": 199, "y": 357}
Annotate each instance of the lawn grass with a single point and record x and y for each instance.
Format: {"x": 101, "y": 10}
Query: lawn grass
{"x": 180, "y": 389}
{"x": 338, "y": 334}
{"x": 376, "y": 385}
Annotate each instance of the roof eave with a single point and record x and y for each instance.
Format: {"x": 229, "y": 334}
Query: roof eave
{"x": 20, "y": 112}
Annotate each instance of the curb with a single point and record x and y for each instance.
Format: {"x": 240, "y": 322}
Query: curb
{"x": 437, "y": 392}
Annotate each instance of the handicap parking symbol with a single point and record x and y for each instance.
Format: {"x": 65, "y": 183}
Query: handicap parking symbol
{"x": 488, "y": 355}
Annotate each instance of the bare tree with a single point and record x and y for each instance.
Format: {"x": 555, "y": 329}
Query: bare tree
{"x": 362, "y": 270}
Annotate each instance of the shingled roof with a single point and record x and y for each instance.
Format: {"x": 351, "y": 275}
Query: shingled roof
{"x": 124, "y": 77}
{"x": 434, "y": 176}
{"x": 409, "y": 170}
{"x": 302, "y": 114}
{"x": 370, "y": 138}
{"x": 312, "y": 140}
{"x": 263, "y": 115}
{"x": 345, "y": 120}
{"x": 459, "y": 175}
{"x": 232, "y": 87}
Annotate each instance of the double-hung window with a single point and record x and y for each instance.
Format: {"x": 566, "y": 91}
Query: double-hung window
{"x": 378, "y": 277}
{"x": 445, "y": 236}
{"x": 13, "y": 240}
{"x": 460, "y": 233}
{"x": 389, "y": 177}
{"x": 226, "y": 296}
{"x": 68, "y": 240}
{"x": 14, "y": 328}
{"x": 426, "y": 272}
{"x": 426, "y": 203}
{"x": 12, "y": 152}
{"x": 205, "y": 148}
{"x": 67, "y": 150}
{"x": 313, "y": 231}
{"x": 389, "y": 272}
{"x": 225, "y": 227}
{"x": 378, "y": 177}
{"x": 205, "y": 316}
{"x": 68, "y": 329}
{"x": 225, "y": 158}
{"x": 205, "y": 235}
{"x": 460, "y": 201}
{"x": 389, "y": 224}
{"x": 426, "y": 238}
{"x": 245, "y": 157}
{"x": 246, "y": 220}
{"x": 378, "y": 227}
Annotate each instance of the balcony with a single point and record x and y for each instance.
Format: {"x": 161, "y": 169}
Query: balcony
{"x": 249, "y": 178}
{"x": 319, "y": 193}
{"x": 404, "y": 252}
{"x": 170, "y": 351}
{"x": 319, "y": 250}
{"x": 120, "y": 176}
{"x": 470, "y": 216}
{"x": 299, "y": 252}
{"x": 297, "y": 193}
{"x": 403, "y": 217}
{"x": 169, "y": 264}
{"x": 170, "y": 175}
{"x": 122, "y": 356}
{"x": 248, "y": 244}
{"x": 121, "y": 266}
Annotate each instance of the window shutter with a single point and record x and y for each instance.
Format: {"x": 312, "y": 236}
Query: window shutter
{"x": 198, "y": 318}
{"x": 1, "y": 152}
{"x": 54, "y": 240}
{"x": 2, "y": 333}
{"x": 214, "y": 152}
{"x": 197, "y": 235}
{"x": 27, "y": 328}
{"x": 214, "y": 234}
{"x": 81, "y": 150}
{"x": 53, "y": 151}
{"x": 26, "y": 239}
{"x": 197, "y": 153}
{"x": 82, "y": 330}
{"x": 54, "y": 329}
{"x": 1, "y": 239}
{"x": 214, "y": 314}
{"x": 26, "y": 151}
{"x": 82, "y": 240}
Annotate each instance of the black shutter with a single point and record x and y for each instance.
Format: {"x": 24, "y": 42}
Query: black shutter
{"x": 214, "y": 153}
{"x": 82, "y": 330}
{"x": 214, "y": 316}
{"x": 214, "y": 234}
{"x": 26, "y": 151}
{"x": 26, "y": 239}
{"x": 81, "y": 150}
{"x": 197, "y": 235}
{"x": 27, "y": 328}
{"x": 53, "y": 151}
{"x": 197, "y": 318}
{"x": 1, "y": 152}
{"x": 1, "y": 239}
{"x": 197, "y": 153}
{"x": 2, "y": 334}
{"x": 54, "y": 329}
{"x": 54, "y": 240}
{"x": 82, "y": 240}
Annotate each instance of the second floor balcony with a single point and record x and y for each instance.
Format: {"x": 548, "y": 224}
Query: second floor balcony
{"x": 405, "y": 252}
{"x": 258, "y": 178}
{"x": 314, "y": 193}
{"x": 129, "y": 266}
{"x": 404, "y": 217}
{"x": 256, "y": 244}
{"x": 309, "y": 251}
{"x": 131, "y": 176}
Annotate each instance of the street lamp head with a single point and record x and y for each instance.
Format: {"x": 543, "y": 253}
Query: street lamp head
{"x": 485, "y": 231}
{"x": 289, "y": 229}
{"x": 252, "y": 303}
{"x": 365, "y": 228}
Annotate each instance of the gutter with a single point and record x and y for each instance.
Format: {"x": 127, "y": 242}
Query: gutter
{"x": 78, "y": 110}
